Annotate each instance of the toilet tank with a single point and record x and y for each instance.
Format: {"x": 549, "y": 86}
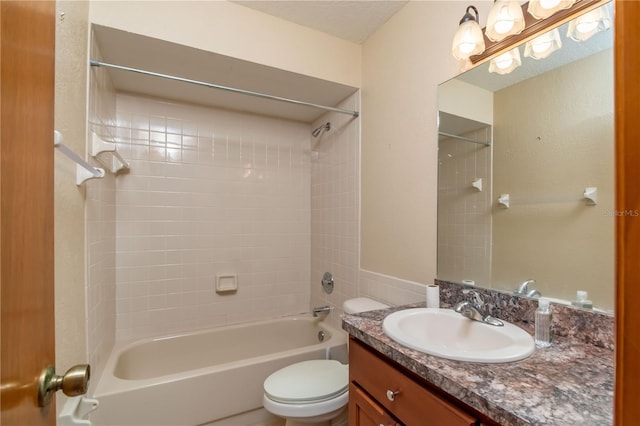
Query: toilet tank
{"x": 361, "y": 304}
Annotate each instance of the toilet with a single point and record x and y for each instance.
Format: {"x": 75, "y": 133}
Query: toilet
{"x": 316, "y": 391}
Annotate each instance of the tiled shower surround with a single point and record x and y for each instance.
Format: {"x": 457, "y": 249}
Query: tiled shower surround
{"x": 210, "y": 192}
{"x": 464, "y": 213}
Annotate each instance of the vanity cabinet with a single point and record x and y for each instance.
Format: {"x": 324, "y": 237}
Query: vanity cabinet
{"x": 364, "y": 411}
{"x": 380, "y": 393}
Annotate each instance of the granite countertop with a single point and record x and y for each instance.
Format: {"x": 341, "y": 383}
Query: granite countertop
{"x": 569, "y": 383}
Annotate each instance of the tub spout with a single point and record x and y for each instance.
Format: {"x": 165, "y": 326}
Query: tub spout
{"x": 324, "y": 310}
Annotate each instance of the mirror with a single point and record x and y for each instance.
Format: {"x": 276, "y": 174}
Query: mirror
{"x": 526, "y": 174}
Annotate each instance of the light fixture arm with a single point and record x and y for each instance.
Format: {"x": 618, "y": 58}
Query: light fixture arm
{"x": 469, "y": 17}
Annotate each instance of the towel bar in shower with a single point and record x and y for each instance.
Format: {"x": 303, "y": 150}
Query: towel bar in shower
{"x": 98, "y": 146}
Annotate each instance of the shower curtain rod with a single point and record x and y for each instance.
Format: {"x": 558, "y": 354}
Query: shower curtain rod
{"x": 462, "y": 138}
{"x": 95, "y": 63}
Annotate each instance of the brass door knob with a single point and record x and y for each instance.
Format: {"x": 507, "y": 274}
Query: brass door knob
{"x": 73, "y": 383}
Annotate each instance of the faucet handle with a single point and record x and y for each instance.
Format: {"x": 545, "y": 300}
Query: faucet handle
{"x": 477, "y": 298}
{"x": 524, "y": 287}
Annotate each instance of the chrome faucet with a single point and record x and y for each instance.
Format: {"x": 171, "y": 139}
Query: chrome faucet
{"x": 321, "y": 310}
{"x": 476, "y": 310}
{"x": 525, "y": 291}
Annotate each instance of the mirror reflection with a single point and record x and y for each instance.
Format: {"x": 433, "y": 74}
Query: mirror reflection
{"x": 525, "y": 175}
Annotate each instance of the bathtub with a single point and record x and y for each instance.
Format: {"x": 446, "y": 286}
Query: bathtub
{"x": 203, "y": 376}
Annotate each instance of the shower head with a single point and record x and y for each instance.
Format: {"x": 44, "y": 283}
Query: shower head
{"x": 325, "y": 127}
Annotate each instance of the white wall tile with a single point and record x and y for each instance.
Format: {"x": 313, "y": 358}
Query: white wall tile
{"x": 213, "y": 192}
{"x": 334, "y": 180}
{"x": 209, "y": 192}
{"x": 101, "y": 230}
{"x": 462, "y": 211}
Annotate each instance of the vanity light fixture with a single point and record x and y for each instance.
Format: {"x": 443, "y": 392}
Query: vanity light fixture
{"x": 501, "y": 33}
{"x": 505, "y": 63}
{"x": 541, "y": 9}
{"x": 543, "y": 46}
{"x": 505, "y": 19}
{"x": 468, "y": 40}
{"x": 584, "y": 27}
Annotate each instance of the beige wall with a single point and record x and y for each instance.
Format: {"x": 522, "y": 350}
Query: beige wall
{"x": 466, "y": 100}
{"x": 70, "y": 119}
{"x": 544, "y": 157}
{"x": 403, "y": 63}
{"x": 229, "y": 29}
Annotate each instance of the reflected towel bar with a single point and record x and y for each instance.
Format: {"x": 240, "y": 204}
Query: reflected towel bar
{"x": 589, "y": 196}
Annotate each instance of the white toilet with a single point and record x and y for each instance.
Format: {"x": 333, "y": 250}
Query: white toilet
{"x": 315, "y": 391}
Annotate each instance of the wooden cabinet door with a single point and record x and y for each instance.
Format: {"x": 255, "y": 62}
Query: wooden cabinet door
{"x": 364, "y": 411}
{"x": 412, "y": 403}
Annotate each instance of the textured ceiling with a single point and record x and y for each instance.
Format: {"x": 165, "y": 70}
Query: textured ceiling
{"x": 350, "y": 20}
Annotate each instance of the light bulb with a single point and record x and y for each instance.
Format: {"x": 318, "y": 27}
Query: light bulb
{"x": 467, "y": 43}
{"x": 592, "y": 22}
{"x": 468, "y": 39}
{"x": 506, "y": 62}
{"x": 540, "y": 47}
{"x": 549, "y": 4}
{"x": 504, "y": 22}
{"x": 505, "y": 19}
{"x": 544, "y": 45}
{"x": 585, "y": 27}
{"x": 542, "y": 9}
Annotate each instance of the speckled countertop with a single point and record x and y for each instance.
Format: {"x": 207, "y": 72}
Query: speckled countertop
{"x": 569, "y": 383}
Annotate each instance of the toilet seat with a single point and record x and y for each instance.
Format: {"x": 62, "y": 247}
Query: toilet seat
{"x": 307, "y": 382}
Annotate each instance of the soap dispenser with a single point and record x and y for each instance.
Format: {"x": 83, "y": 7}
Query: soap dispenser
{"x": 543, "y": 331}
{"x": 582, "y": 301}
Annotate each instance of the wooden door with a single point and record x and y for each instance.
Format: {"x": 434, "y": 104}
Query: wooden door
{"x": 27, "y": 45}
{"x": 627, "y": 94}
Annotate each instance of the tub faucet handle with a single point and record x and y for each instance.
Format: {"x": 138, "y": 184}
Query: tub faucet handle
{"x": 324, "y": 310}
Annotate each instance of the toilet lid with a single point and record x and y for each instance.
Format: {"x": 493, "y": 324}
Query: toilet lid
{"x": 308, "y": 381}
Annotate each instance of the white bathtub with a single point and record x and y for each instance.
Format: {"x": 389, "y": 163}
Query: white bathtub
{"x": 200, "y": 377}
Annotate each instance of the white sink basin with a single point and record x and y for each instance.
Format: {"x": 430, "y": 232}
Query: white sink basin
{"x": 447, "y": 334}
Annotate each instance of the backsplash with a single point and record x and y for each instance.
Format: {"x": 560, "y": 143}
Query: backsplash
{"x": 592, "y": 327}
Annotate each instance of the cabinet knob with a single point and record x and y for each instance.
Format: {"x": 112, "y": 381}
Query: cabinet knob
{"x": 391, "y": 395}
